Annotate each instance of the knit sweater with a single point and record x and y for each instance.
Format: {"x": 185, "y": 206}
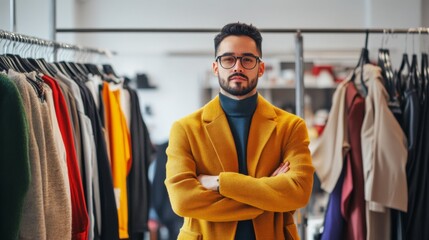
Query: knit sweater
{"x": 14, "y": 158}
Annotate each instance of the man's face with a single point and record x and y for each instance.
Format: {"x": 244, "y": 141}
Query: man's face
{"x": 238, "y": 82}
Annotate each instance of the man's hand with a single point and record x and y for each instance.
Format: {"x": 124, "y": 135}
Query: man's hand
{"x": 283, "y": 168}
{"x": 210, "y": 182}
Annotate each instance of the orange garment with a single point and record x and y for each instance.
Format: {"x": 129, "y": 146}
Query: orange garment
{"x": 120, "y": 153}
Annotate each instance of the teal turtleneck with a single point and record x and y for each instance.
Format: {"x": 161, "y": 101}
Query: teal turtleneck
{"x": 239, "y": 114}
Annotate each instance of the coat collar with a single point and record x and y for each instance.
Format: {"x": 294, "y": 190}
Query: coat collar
{"x": 217, "y": 128}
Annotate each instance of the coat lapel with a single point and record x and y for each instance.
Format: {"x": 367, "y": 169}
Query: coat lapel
{"x": 261, "y": 128}
{"x": 217, "y": 127}
{"x": 219, "y": 133}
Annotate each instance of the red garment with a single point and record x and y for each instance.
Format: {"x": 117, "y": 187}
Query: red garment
{"x": 80, "y": 219}
{"x": 353, "y": 194}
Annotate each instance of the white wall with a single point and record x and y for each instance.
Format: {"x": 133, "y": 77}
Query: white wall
{"x": 178, "y": 88}
{"x": 178, "y": 62}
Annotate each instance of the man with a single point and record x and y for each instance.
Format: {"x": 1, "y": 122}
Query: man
{"x": 239, "y": 167}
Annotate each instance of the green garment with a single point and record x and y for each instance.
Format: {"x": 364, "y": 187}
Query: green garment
{"x": 14, "y": 158}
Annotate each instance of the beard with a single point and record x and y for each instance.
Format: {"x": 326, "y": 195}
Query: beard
{"x": 238, "y": 88}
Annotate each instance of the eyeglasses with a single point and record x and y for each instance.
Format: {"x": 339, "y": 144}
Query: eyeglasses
{"x": 248, "y": 62}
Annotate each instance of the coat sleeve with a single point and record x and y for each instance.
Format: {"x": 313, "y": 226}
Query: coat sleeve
{"x": 284, "y": 192}
{"x": 188, "y": 197}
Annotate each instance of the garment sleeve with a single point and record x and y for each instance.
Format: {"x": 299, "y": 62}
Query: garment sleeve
{"x": 188, "y": 197}
{"x": 282, "y": 193}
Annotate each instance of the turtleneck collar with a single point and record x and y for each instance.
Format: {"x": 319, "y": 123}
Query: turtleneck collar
{"x": 238, "y": 108}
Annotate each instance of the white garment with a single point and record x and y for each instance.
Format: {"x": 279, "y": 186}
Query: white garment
{"x": 329, "y": 150}
{"x": 88, "y": 147}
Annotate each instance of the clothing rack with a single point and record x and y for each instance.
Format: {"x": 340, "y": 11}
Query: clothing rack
{"x": 215, "y": 30}
{"x": 21, "y": 38}
{"x": 299, "y": 59}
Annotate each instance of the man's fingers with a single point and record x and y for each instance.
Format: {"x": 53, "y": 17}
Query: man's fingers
{"x": 277, "y": 170}
{"x": 283, "y": 168}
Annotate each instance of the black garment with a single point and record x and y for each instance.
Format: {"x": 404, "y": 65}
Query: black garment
{"x": 109, "y": 214}
{"x": 417, "y": 216}
{"x": 239, "y": 114}
{"x": 411, "y": 118}
{"x": 160, "y": 200}
{"x": 137, "y": 180}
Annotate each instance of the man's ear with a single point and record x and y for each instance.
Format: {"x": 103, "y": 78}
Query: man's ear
{"x": 261, "y": 69}
{"x": 215, "y": 68}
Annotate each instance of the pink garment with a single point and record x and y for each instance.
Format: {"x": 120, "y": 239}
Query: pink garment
{"x": 353, "y": 193}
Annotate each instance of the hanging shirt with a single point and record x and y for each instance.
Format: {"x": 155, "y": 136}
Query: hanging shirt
{"x": 384, "y": 154}
{"x": 353, "y": 193}
{"x": 138, "y": 181}
{"x": 333, "y": 225}
{"x": 120, "y": 153}
{"x": 79, "y": 207}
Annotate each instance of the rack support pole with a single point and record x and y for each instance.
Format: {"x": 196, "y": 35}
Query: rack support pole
{"x": 54, "y": 28}
{"x": 299, "y": 75}
{"x": 12, "y": 16}
{"x": 299, "y": 100}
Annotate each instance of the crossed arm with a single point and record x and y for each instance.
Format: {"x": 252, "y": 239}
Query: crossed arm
{"x": 240, "y": 196}
{"x": 211, "y": 182}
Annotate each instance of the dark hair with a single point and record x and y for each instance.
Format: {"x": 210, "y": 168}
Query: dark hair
{"x": 239, "y": 29}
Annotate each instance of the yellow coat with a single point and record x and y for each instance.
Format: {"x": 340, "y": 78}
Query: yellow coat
{"x": 202, "y": 143}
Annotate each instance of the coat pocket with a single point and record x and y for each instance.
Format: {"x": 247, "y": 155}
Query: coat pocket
{"x": 291, "y": 232}
{"x": 186, "y": 234}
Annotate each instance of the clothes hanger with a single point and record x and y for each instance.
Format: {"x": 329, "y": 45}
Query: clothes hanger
{"x": 4, "y": 65}
{"x": 424, "y": 68}
{"x": 93, "y": 69}
{"x": 413, "y": 76}
{"x": 20, "y": 63}
{"x": 424, "y": 74}
{"x": 52, "y": 71}
{"x": 108, "y": 69}
{"x": 82, "y": 68}
{"x": 386, "y": 65}
{"x": 363, "y": 59}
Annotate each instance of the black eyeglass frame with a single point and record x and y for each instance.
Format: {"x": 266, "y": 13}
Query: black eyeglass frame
{"x": 258, "y": 59}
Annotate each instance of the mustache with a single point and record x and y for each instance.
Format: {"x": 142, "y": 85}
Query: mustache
{"x": 238, "y": 75}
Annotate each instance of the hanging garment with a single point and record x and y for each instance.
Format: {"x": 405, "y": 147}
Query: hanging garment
{"x": 88, "y": 155}
{"x": 329, "y": 150}
{"x": 415, "y": 219}
{"x": 79, "y": 207}
{"x": 353, "y": 192}
{"x": 104, "y": 198}
{"x": 160, "y": 201}
{"x": 384, "y": 155}
{"x": 138, "y": 182}
{"x": 120, "y": 153}
{"x": 383, "y": 149}
{"x": 74, "y": 118}
{"x": 14, "y": 155}
{"x": 333, "y": 225}
{"x": 47, "y": 206}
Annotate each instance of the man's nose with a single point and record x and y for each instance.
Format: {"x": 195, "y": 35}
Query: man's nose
{"x": 238, "y": 67}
